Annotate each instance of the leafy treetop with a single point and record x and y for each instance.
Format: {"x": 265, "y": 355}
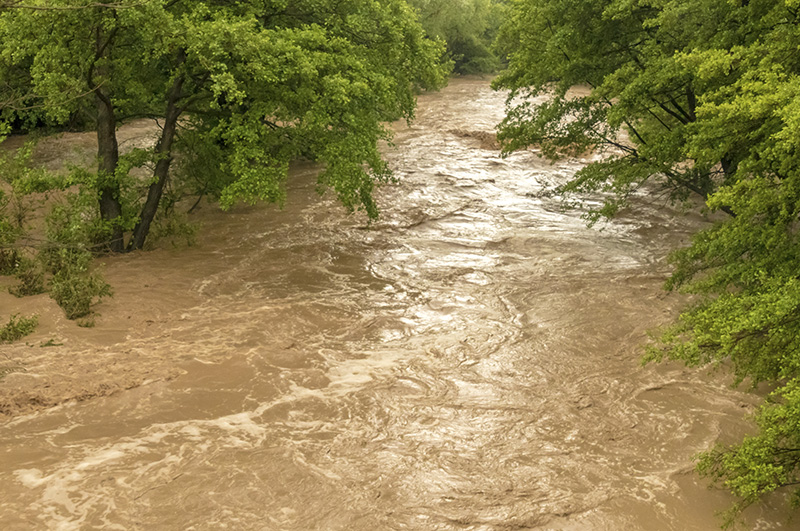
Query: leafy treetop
{"x": 244, "y": 87}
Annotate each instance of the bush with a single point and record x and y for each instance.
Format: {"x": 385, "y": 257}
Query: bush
{"x": 74, "y": 229}
{"x": 18, "y": 327}
{"x": 74, "y": 287}
{"x": 8, "y": 237}
{"x": 75, "y": 222}
{"x": 8, "y": 261}
{"x": 30, "y": 274}
{"x": 173, "y": 228}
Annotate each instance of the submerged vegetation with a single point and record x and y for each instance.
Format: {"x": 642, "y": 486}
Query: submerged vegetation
{"x": 18, "y": 327}
{"x": 61, "y": 262}
{"x": 238, "y": 91}
{"x": 244, "y": 87}
{"x": 689, "y": 98}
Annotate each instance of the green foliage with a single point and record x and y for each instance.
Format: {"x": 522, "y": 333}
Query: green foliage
{"x": 73, "y": 223}
{"x": 249, "y": 86}
{"x": 18, "y": 327}
{"x": 693, "y": 97}
{"x": 23, "y": 188}
{"x": 653, "y": 74}
{"x": 74, "y": 286}
{"x": 30, "y": 274}
{"x": 174, "y": 228}
{"x": 317, "y": 88}
{"x": 8, "y": 236}
{"x": 73, "y": 231}
{"x": 744, "y": 274}
{"x": 8, "y": 261}
{"x": 764, "y": 462}
{"x": 469, "y": 28}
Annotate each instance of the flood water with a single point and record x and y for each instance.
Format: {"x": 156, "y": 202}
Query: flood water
{"x": 471, "y": 361}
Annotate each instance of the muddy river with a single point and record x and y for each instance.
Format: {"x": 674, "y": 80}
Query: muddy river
{"x": 469, "y": 362}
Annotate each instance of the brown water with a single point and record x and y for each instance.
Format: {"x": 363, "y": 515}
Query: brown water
{"x": 470, "y": 362}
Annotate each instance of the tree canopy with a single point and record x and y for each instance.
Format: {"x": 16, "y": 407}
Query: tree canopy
{"x": 238, "y": 90}
{"x": 697, "y": 98}
{"x": 241, "y": 87}
{"x": 468, "y": 27}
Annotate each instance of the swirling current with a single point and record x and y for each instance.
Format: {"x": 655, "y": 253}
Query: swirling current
{"x": 470, "y": 361}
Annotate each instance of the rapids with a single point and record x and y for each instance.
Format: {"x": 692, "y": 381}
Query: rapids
{"x": 471, "y": 361}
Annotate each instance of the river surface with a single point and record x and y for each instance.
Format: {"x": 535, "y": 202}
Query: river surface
{"x": 471, "y": 361}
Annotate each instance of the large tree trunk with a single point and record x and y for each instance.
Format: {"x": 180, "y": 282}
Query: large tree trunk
{"x": 107, "y": 149}
{"x": 108, "y": 154}
{"x": 163, "y": 155}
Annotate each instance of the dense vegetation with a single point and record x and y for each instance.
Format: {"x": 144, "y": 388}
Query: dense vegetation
{"x": 238, "y": 89}
{"x": 468, "y": 27}
{"x": 696, "y": 98}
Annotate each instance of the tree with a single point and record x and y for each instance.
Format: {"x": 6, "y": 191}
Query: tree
{"x": 638, "y": 58}
{"x": 469, "y": 28}
{"x": 256, "y": 83}
{"x": 696, "y": 97}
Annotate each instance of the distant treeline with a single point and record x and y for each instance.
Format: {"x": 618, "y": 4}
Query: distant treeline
{"x": 468, "y": 27}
